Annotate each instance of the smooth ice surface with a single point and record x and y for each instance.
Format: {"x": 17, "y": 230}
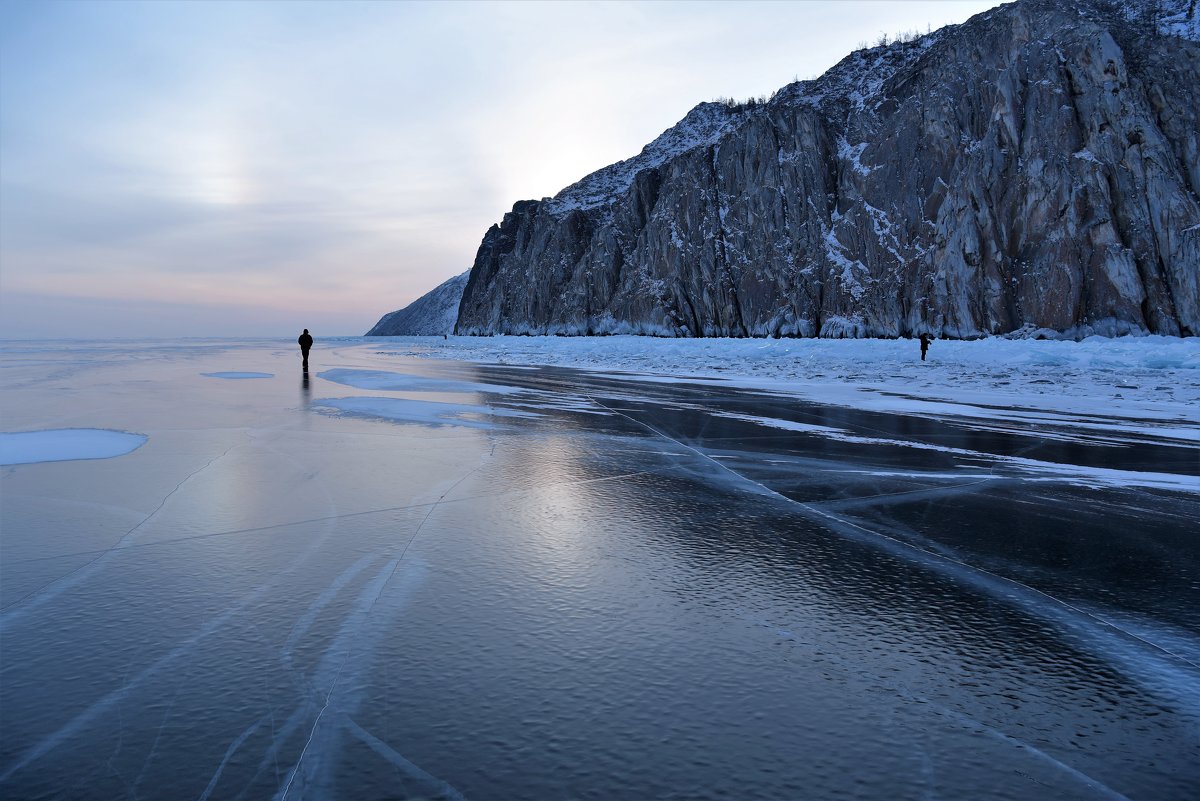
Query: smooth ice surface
{"x": 400, "y": 382}
{"x": 239, "y": 375}
{"x": 399, "y": 577}
{"x": 64, "y": 444}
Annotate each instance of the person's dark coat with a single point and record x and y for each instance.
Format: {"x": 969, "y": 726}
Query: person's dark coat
{"x": 305, "y": 342}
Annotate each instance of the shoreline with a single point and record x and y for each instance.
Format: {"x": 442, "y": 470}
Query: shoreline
{"x": 1145, "y": 385}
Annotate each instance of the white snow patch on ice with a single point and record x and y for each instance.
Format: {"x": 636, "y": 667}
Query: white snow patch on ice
{"x": 1039, "y": 470}
{"x": 1034, "y": 469}
{"x": 403, "y": 382}
{"x": 786, "y": 425}
{"x": 1147, "y": 387}
{"x": 66, "y": 444}
{"x": 567, "y": 405}
{"x": 422, "y": 412}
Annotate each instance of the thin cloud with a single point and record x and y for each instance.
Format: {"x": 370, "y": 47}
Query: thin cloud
{"x": 345, "y": 156}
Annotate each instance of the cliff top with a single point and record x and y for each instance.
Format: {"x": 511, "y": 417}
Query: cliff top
{"x": 855, "y": 80}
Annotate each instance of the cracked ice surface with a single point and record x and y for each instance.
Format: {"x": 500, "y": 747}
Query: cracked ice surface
{"x": 600, "y": 587}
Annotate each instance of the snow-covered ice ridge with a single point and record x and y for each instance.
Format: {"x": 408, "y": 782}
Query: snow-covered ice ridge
{"x": 1147, "y": 385}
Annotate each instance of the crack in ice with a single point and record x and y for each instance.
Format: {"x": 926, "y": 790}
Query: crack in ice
{"x": 52, "y": 589}
{"x": 963, "y": 570}
{"x": 386, "y": 574}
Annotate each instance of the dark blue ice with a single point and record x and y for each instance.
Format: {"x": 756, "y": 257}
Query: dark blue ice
{"x": 593, "y": 588}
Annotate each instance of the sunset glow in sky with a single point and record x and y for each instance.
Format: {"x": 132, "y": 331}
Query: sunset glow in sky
{"x": 246, "y": 169}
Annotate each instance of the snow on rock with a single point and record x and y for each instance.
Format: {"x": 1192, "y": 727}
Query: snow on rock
{"x": 1036, "y": 166}
{"x": 432, "y": 314}
{"x": 1170, "y": 17}
{"x": 702, "y": 126}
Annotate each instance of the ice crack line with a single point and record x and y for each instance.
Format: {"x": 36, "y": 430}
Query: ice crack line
{"x": 52, "y": 741}
{"x": 229, "y": 752}
{"x": 1025, "y": 746}
{"x": 389, "y": 573}
{"x": 332, "y": 686}
{"x": 21, "y": 608}
{"x": 327, "y": 518}
{"x": 381, "y": 582}
{"x": 964, "y": 570}
{"x": 442, "y": 787}
{"x": 216, "y": 624}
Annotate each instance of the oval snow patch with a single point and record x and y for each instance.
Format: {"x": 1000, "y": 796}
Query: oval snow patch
{"x": 66, "y": 444}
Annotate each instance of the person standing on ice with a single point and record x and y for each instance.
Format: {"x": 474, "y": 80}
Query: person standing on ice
{"x": 306, "y": 342}
{"x": 925, "y": 340}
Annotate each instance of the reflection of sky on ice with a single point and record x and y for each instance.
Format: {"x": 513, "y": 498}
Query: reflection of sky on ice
{"x": 60, "y": 445}
{"x": 402, "y": 382}
{"x": 436, "y": 413}
{"x": 239, "y": 375}
{"x": 409, "y": 410}
{"x": 688, "y": 590}
{"x": 416, "y": 410}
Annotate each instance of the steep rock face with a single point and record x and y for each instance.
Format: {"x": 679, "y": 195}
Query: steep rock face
{"x": 432, "y": 314}
{"x": 1035, "y": 167}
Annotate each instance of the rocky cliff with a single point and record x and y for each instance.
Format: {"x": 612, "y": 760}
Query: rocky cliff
{"x": 1035, "y": 167}
{"x": 432, "y": 314}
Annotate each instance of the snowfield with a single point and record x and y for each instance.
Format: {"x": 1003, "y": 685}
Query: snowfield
{"x": 1149, "y": 386}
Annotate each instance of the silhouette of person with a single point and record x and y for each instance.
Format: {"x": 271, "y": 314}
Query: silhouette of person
{"x": 925, "y": 340}
{"x": 306, "y": 342}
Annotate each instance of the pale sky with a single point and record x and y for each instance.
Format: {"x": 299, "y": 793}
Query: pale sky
{"x": 251, "y": 169}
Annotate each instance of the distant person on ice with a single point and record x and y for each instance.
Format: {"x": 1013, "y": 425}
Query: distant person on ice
{"x": 306, "y": 342}
{"x": 925, "y": 340}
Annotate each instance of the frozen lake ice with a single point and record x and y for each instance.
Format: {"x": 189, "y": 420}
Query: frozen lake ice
{"x": 404, "y": 577}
